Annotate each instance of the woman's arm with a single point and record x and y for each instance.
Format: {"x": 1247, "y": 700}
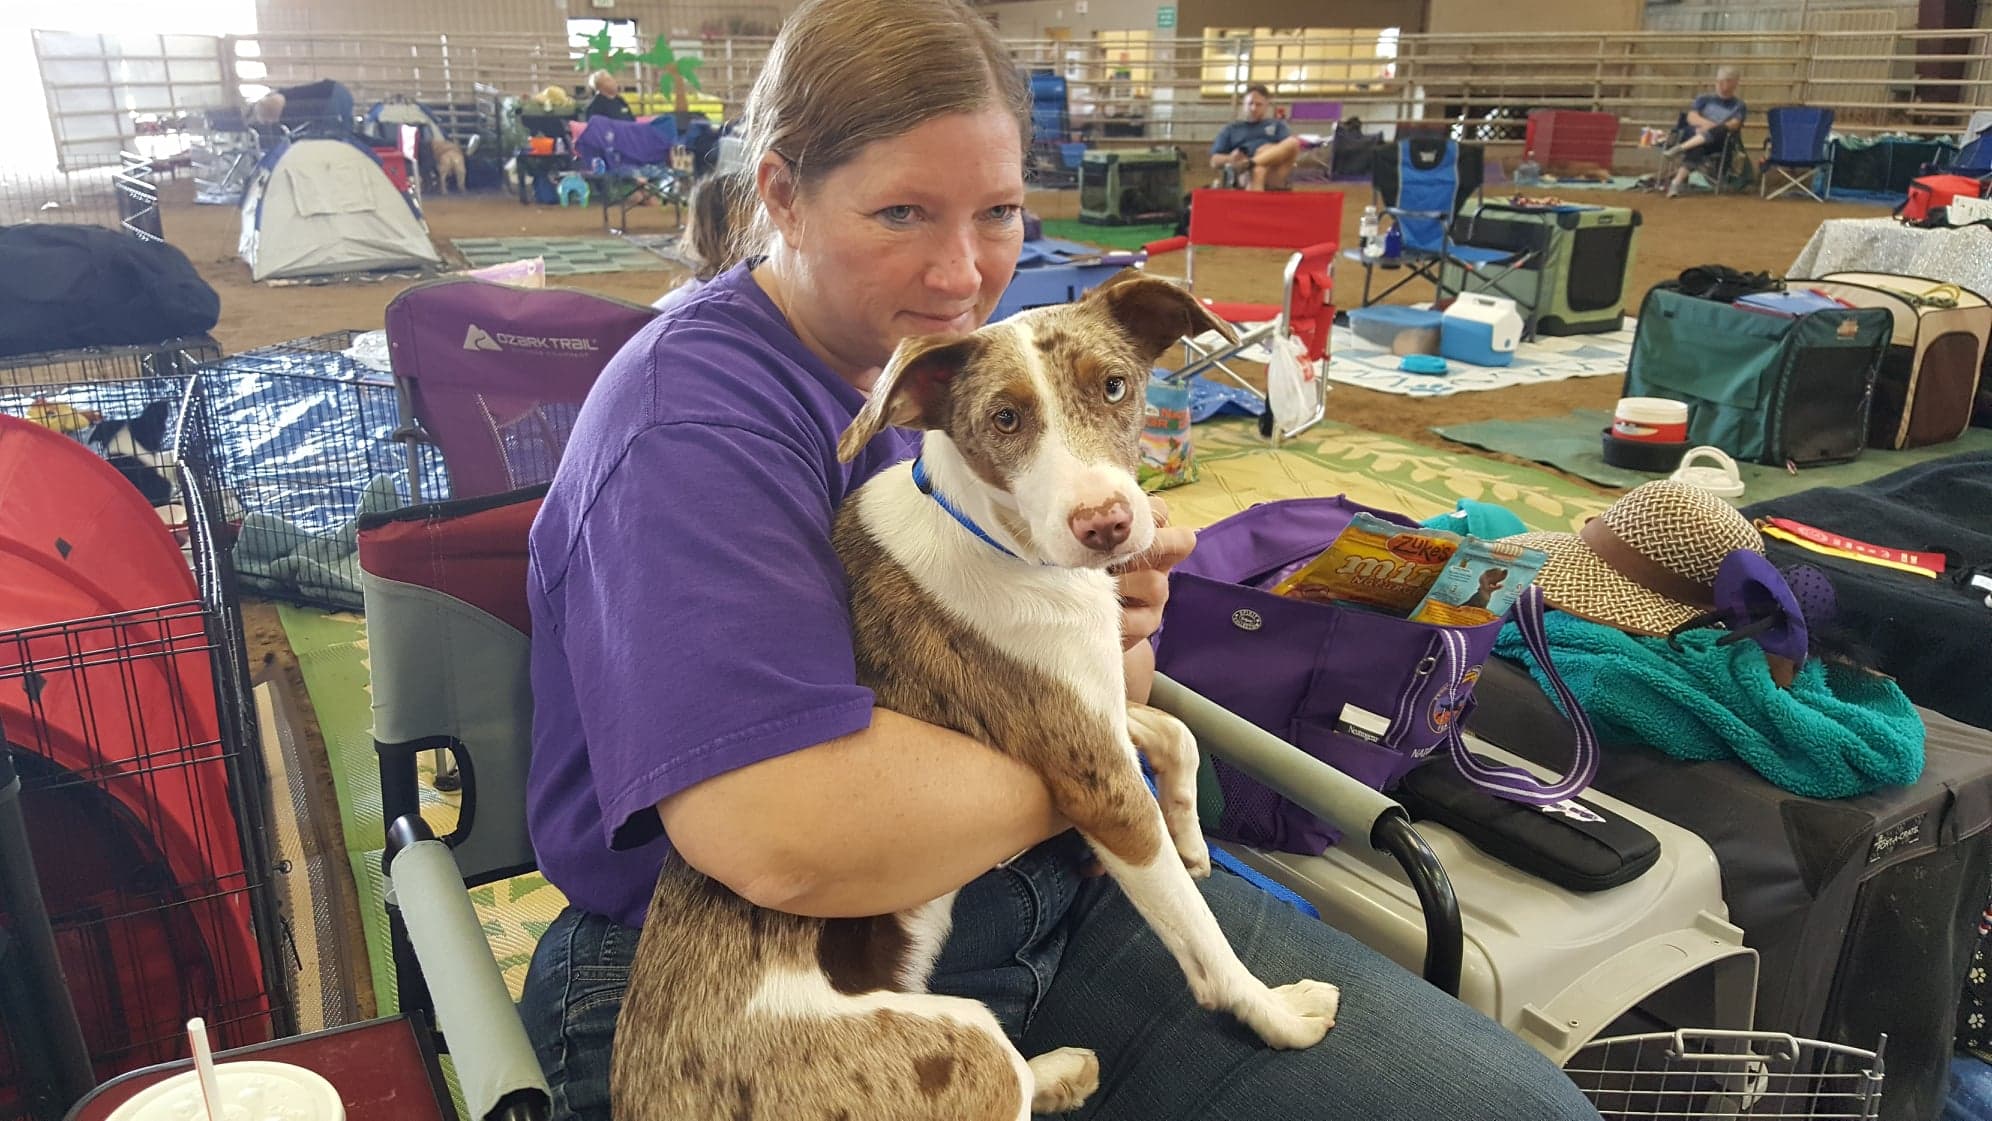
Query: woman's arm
{"x": 915, "y": 812}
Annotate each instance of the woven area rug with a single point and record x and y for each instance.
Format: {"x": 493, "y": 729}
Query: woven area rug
{"x": 668, "y": 246}
{"x": 1107, "y": 237}
{"x": 1237, "y": 469}
{"x": 1359, "y": 362}
{"x": 565, "y": 256}
{"x": 331, "y": 649}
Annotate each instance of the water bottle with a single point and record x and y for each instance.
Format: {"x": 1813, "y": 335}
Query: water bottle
{"x": 1368, "y": 230}
{"x": 1528, "y": 173}
{"x": 1393, "y": 242}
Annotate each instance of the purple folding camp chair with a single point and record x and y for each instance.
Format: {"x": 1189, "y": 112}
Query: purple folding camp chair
{"x": 493, "y": 376}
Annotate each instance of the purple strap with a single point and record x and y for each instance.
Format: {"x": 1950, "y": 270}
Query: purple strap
{"x": 1441, "y": 685}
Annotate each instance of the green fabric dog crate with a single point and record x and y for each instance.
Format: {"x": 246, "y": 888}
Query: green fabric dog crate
{"x": 1777, "y": 390}
{"x": 1131, "y": 188}
{"x": 1586, "y": 262}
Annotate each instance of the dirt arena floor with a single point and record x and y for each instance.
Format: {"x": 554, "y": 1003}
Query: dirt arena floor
{"x": 1744, "y": 232}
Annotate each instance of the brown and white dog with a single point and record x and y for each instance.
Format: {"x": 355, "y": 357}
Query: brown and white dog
{"x": 1032, "y": 436}
{"x": 448, "y": 155}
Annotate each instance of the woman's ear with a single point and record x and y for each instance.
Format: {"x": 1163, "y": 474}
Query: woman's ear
{"x": 775, "y": 182}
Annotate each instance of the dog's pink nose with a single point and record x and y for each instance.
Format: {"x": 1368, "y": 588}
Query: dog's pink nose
{"x": 1102, "y": 528}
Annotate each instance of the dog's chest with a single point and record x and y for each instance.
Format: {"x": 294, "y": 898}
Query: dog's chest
{"x": 951, "y": 632}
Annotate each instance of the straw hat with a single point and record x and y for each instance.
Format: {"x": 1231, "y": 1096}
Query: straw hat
{"x": 1648, "y": 563}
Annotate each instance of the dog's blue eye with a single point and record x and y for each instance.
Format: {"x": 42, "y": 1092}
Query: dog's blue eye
{"x": 1116, "y": 389}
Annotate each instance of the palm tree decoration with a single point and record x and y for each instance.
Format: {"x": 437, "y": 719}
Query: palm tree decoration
{"x": 601, "y": 56}
{"x": 681, "y": 71}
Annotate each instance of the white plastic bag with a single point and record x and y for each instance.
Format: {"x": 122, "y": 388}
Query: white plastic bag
{"x": 1291, "y": 382}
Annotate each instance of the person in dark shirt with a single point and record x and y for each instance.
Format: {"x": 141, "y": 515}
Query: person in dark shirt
{"x": 608, "y": 101}
{"x": 1258, "y": 152}
{"x": 1712, "y": 120}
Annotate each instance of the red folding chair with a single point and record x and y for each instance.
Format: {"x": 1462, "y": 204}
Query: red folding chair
{"x": 1307, "y": 222}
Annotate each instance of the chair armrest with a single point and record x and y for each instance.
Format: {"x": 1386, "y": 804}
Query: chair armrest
{"x": 1400, "y": 212}
{"x": 495, "y": 1064}
{"x": 1340, "y": 801}
{"x": 1166, "y": 245}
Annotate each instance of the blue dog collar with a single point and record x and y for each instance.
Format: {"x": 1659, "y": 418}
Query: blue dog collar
{"x": 926, "y": 485}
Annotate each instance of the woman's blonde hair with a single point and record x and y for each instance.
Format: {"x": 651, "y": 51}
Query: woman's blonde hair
{"x": 845, "y": 73}
{"x": 595, "y": 80}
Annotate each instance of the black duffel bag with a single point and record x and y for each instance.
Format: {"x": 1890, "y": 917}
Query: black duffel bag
{"x": 63, "y": 287}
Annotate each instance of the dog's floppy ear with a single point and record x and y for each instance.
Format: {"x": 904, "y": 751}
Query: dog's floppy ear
{"x": 1155, "y": 313}
{"x": 912, "y": 389}
{"x": 149, "y": 427}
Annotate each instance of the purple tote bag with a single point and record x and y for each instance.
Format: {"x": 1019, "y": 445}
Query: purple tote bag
{"x": 1289, "y": 666}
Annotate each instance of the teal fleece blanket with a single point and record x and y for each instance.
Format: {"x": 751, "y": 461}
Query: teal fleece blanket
{"x": 1835, "y": 733}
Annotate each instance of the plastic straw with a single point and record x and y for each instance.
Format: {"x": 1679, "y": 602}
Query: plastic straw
{"x": 204, "y": 1066}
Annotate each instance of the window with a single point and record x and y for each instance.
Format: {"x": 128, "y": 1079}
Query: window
{"x": 1297, "y": 62}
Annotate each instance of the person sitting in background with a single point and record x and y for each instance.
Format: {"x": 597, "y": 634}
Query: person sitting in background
{"x": 1711, "y": 121}
{"x": 608, "y": 100}
{"x": 1258, "y": 152}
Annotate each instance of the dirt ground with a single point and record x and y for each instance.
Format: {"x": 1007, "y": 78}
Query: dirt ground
{"x": 1744, "y": 232}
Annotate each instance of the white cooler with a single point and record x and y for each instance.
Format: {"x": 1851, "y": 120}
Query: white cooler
{"x": 1481, "y": 330}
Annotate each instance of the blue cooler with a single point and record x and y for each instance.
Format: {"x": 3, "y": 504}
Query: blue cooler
{"x": 1481, "y": 330}
{"x": 1404, "y": 330}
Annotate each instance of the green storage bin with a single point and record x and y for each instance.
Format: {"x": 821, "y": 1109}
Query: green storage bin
{"x": 1131, "y": 188}
{"x": 1584, "y": 271}
{"x": 1762, "y": 387}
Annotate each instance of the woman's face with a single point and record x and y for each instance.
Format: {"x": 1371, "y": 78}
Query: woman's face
{"x": 918, "y": 235}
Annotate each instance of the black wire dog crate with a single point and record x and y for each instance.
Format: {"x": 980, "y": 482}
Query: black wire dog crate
{"x": 296, "y": 441}
{"x": 135, "y": 865}
{"x": 124, "y": 401}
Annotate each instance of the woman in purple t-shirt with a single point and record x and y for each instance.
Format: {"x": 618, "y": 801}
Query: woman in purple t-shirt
{"x": 693, "y": 679}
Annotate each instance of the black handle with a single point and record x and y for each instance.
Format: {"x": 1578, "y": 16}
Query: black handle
{"x": 1445, "y": 942}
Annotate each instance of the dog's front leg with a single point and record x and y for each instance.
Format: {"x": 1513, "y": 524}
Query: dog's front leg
{"x": 1106, "y": 799}
{"x": 1171, "y": 752}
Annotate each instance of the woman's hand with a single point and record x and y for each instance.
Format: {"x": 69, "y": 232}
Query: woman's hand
{"x": 1144, "y": 583}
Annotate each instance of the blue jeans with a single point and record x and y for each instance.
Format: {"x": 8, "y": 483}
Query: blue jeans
{"x": 1065, "y": 961}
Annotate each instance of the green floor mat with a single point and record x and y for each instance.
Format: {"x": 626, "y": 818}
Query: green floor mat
{"x": 1571, "y": 443}
{"x": 331, "y": 650}
{"x": 565, "y": 256}
{"x": 1236, "y": 470}
{"x": 1106, "y": 237}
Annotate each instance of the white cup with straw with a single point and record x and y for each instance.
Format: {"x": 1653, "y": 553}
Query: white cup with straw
{"x": 244, "y": 1090}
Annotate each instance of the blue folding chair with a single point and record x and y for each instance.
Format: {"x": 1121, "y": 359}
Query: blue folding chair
{"x": 1974, "y": 159}
{"x": 1796, "y": 151}
{"x": 1425, "y": 184}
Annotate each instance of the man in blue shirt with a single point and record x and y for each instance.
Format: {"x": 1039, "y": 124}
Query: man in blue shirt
{"x": 1712, "y": 120}
{"x": 1258, "y": 152}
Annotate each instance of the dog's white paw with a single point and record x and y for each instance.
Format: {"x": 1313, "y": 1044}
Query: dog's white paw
{"x": 1064, "y": 1079}
{"x": 1298, "y": 1014}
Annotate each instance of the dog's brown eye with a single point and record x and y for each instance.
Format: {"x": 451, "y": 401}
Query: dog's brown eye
{"x": 1116, "y": 389}
{"x": 1006, "y": 420}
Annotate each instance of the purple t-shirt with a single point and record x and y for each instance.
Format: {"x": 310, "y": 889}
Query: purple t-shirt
{"x": 689, "y": 613}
